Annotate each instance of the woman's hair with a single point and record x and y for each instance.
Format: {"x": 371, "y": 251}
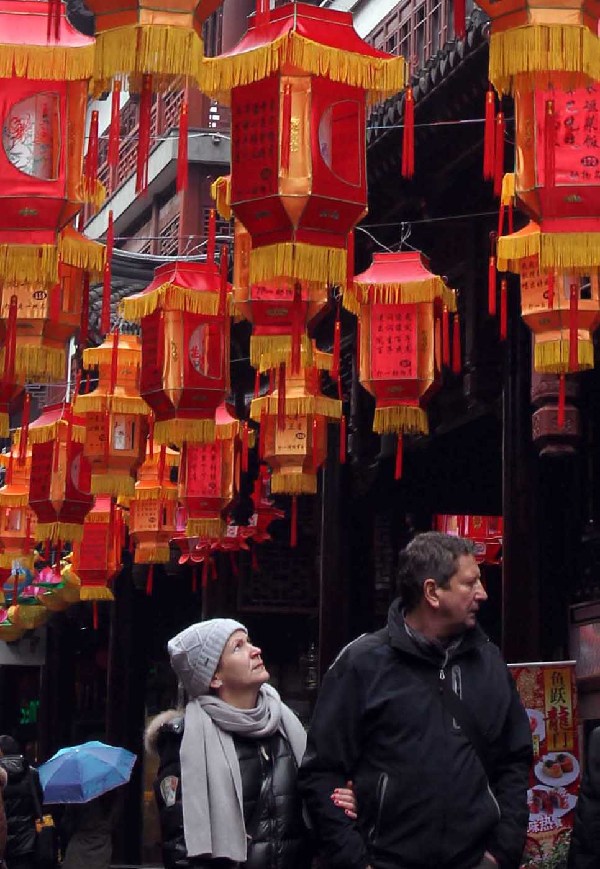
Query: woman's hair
{"x": 9, "y": 745}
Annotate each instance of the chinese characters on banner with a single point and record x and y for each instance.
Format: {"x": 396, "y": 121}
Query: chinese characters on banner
{"x": 549, "y": 694}
{"x": 394, "y": 342}
{"x": 577, "y": 152}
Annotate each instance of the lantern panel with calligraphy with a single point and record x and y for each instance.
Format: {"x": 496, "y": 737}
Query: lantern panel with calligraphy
{"x": 97, "y": 556}
{"x": 153, "y": 507}
{"x": 185, "y": 349}
{"x": 17, "y": 520}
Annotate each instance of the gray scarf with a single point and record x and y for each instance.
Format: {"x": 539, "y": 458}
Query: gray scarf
{"x": 211, "y": 782}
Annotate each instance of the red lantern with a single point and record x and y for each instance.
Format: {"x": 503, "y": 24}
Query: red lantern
{"x": 485, "y": 532}
{"x": 59, "y": 488}
{"x": 97, "y": 556}
{"x": 298, "y": 82}
{"x": 44, "y": 85}
{"x": 185, "y": 348}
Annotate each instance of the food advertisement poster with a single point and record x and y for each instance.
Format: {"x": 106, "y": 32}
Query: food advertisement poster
{"x": 549, "y": 694}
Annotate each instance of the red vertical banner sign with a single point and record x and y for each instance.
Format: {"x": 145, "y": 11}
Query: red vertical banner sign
{"x": 549, "y": 694}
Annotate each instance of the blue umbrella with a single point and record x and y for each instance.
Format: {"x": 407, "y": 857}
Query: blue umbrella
{"x": 81, "y": 772}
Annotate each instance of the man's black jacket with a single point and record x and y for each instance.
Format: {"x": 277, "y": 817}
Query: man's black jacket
{"x": 424, "y": 799}
{"x": 584, "y": 852}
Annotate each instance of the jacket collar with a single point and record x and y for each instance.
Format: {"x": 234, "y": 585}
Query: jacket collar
{"x": 408, "y": 641}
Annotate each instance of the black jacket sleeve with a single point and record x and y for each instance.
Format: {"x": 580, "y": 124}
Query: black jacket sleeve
{"x": 510, "y": 783}
{"x": 584, "y": 852}
{"x": 333, "y": 748}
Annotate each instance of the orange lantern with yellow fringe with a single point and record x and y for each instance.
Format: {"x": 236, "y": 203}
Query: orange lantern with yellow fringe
{"x": 404, "y": 337}
{"x": 298, "y": 83}
{"x": 97, "y": 556}
{"x": 185, "y": 319}
{"x": 59, "y": 487}
{"x": 17, "y": 520}
{"x": 116, "y": 416}
{"x": 153, "y": 506}
{"x": 44, "y": 80}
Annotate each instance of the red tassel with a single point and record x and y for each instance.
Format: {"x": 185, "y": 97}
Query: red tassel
{"x": 281, "y": 398}
{"x": 223, "y": 272}
{"x": 294, "y": 523}
{"x": 511, "y": 218}
{"x": 408, "y": 139}
{"x": 550, "y": 145}
{"x": 337, "y": 344}
{"x": 399, "y": 456}
{"x": 9, "y": 470}
{"x": 499, "y": 154}
{"x": 489, "y": 135}
{"x": 182, "y": 149}
{"x": 245, "y": 447}
{"x": 114, "y": 360}
{"x": 492, "y": 276}
{"x": 151, "y": 421}
{"x": 343, "y": 440}
{"x": 314, "y": 444}
{"x": 256, "y": 383}
{"x": 162, "y": 461}
{"x": 573, "y": 328}
{"x": 95, "y": 615}
{"x": 58, "y": 555}
{"x": 560, "y": 413}
{"x": 211, "y": 241}
{"x": 456, "y": 351}
{"x": 445, "y": 337}
{"x": 91, "y": 158}
{"x": 261, "y": 436}
{"x": 106, "y": 288}
{"x": 297, "y": 329}
{"x": 503, "y": 309}
{"x": 10, "y": 344}
{"x": 460, "y": 18}
{"x": 550, "y": 285}
{"x": 114, "y": 132}
{"x": 286, "y": 125}
{"x": 150, "y": 581}
{"x": 85, "y": 311}
{"x": 28, "y": 540}
{"x": 24, "y": 433}
{"x": 145, "y": 120}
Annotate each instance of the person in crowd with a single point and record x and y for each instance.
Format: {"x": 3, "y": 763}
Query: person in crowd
{"x": 89, "y": 827}
{"x": 425, "y": 718}
{"x": 22, "y": 795}
{"x": 226, "y": 784}
{"x": 584, "y": 851}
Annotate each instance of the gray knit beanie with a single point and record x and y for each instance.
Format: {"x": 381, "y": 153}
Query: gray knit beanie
{"x": 196, "y": 651}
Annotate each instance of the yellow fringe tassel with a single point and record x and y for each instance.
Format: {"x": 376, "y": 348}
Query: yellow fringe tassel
{"x": 381, "y": 77}
{"x": 533, "y": 54}
{"x": 508, "y": 188}
{"x": 293, "y": 484}
{"x": 552, "y": 357}
{"x": 93, "y": 403}
{"x": 220, "y": 191}
{"x": 92, "y": 191}
{"x": 308, "y": 404}
{"x": 205, "y": 528}
{"x": 95, "y": 592}
{"x": 4, "y": 425}
{"x": 97, "y": 518}
{"x": 112, "y": 484}
{"x": 575, "y": 251}
{"x": 13, "y": 499}
{"x": 49, "y": 62}
{"x": 55, "y": 531}
{"x": 399, "y": 294}
{"x": 170, "y": 297}
{"x": 38, "y": 364}
{"x": 402, "y": 418}
{"x": 177, "y": 431}
{"x": 82, "y": 253}
{"x": 159, "y": 49}
{"x": 129, "y": 356}
{"x": 299, "y": 261}
{"x": 157, "y": 555}
{"x": 269, "y": 351}
{"x": 29, "y": 263}
{"x": 156, "y": 493}
{"x": 227, "y": 431}
{"x": 44, "y": 433}
{"x": 350, "y": 300}
{"x": 27, "y": 616}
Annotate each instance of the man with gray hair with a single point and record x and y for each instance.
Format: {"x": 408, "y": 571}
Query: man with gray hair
{"x": 424, "y": 717}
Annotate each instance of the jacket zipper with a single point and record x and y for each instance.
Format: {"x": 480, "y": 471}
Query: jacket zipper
{"x": 444, "y": 820}
{"x": 381, "y": 790}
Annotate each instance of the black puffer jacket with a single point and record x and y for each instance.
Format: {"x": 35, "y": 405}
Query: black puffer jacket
{"x": 584, "y": 852}
{"x": 424, "y": 801}
{"x": 20, "y": 805}
{"x": 272, "y": 806}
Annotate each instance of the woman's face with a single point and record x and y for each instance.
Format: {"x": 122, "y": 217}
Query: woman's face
{"x": 241, "y": 666}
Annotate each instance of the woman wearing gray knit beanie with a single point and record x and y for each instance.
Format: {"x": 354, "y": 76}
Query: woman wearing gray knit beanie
{"x": 226, "y": 785}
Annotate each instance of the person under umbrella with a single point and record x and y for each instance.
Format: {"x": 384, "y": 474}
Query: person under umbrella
{"x": 90, "y": 829}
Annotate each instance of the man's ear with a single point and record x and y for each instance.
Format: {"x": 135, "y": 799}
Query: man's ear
{"x": 430, "y": 593}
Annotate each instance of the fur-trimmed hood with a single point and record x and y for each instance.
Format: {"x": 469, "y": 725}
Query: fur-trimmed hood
{"x": 154, "y": 727}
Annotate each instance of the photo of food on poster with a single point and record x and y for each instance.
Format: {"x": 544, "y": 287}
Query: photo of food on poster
{"x": 549, "y": 694}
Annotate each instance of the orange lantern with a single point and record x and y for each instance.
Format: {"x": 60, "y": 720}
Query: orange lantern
{"x": 152, "y": 509}
{"x": 185, "y": 348}
{"x": 403, "y": 313}
{"x": 17, "y": 520}
{"x": 44, "y": 84}
{"x": 97, "y": 555}
{"x": 209, "y": 477}
{"x": 116, "y": 416}
{"x": 298, "y": 83}
{"x": 59, "y": 487}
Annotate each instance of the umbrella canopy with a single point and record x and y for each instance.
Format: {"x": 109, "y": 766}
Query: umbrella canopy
{"x": 81, "y": 772}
